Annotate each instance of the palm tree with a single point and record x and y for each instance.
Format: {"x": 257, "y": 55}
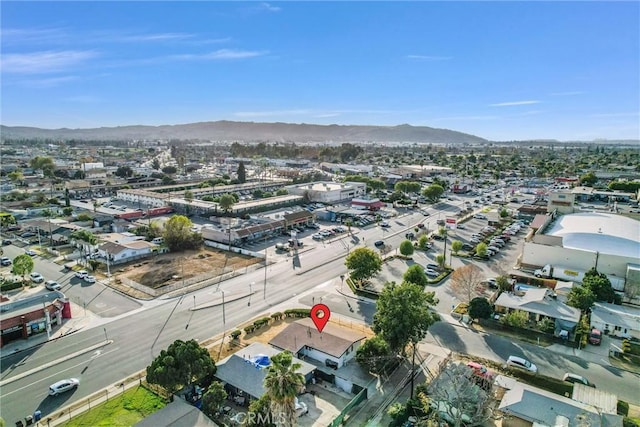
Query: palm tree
{"x": 282, "y": 383}
{"x": 85, "y": 236}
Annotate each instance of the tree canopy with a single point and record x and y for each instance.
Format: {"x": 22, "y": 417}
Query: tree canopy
{"x": 226, "y": 202}
{"x": 465, "y": 281}
{"x": 181, "y": 364}
{"x": 22, "y": 265}
{"x": 178, "y": 235}
{"x": 364, "y": 263}
{"x": 581, "y": 297}
{"x": 282, "y": 383}
{"x": 213, "y": 399}
{"x": 479, "y": 308}
{"x": 407, "y": 187}
{"x": 404, "y": 314}
{"x": 415, "y": 274}
{"x": 375, "y": 355}
{"x": 433, "y": 192}
{"x": 242, "y": 173}
{"x": 600, "y": 285}
{"x": 406, "y": 248}
{"x": 45, "y": 164}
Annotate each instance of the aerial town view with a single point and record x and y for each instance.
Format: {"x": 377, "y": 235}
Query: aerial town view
{"x": 283, "y": 214}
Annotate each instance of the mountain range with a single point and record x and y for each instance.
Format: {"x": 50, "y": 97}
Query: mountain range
{"x": 250, "y": 132}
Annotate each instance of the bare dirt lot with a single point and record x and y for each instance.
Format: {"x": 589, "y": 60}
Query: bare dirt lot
{"x": 168, "y": 268}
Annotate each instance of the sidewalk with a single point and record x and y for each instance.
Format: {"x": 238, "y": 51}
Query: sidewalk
{"x": 81, "y": 320}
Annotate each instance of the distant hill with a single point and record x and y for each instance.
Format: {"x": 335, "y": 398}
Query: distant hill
{"x": 250, "y": 131}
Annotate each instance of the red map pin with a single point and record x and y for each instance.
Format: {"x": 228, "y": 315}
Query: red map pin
{"x": 320, "y": 314}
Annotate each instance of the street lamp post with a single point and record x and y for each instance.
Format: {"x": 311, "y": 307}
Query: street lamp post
{"x": 224, "y": 319}
{"x": 341, "y": 281}
{"x": 250, "y": 292}
{"x": 105, "y": 334}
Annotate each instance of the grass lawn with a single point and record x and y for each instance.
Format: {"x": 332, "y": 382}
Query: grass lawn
{"x": 124, "y": 410}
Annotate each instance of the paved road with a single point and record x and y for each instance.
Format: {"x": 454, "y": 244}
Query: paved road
{"x": 313, "y": 274}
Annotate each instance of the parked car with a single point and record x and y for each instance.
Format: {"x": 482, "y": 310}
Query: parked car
{"x": 521, "y": 363}
{"x": 89, "y": 279}
{"x": 36, "y": 277}
{"x": 4, "y": 261}
{"x": 63, "y": 386}
{"x": 461, "y": 226}
{"x": 480, "y": 370}
{"x": 6, "y": 242}
{"x": 431, "y": 272}
{"x": 492, "y": 282}
{"x": 595, "y": 337}
{"x": 30, "y": 252}
{"x": 27, "y": 234}
{"x": 432, "y": 266}
{"x": 385, "y": 224}
{"x": 81, "y": 274}
{"x": 577, "y": 379}
{"x": 379, "y": 243}
{"x": 467, "y": 247}
{"x": 52, "y": 285}
{"x": 480, "y": 216}
{"x": 410, "y": 236}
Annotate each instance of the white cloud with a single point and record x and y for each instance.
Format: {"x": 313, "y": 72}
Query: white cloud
{"x": 514, "y": 103}
{"x": 44, "y": 62}
{"x": 220, "y": 54}
{"x": 429, "y": 58}
{"x": 14, "y": 36}
{"x": 607, "y": 115}
{"x": 269, "y": 7}
{"x": 153, "y": 37}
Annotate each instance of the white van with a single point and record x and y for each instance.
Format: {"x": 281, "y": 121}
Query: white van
{"x": 158, "y": 240}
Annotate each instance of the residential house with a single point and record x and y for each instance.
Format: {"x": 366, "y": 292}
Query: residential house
{"x": 616, "y": 320}
{"x": 178, "y": 413}
{"x": 540, "y": 303}
{"x": 333, "y": 347}
{"x": 118, "y": 253}
{"x": 103, "y": 221}
{"x": 243, "y": 372}
{"x": 523, "y": 405}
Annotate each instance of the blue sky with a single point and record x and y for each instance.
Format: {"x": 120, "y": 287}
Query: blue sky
{"x": 499, "y": 70}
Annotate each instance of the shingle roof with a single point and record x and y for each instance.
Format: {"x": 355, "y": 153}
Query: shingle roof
{"x": 333, "y": 340}
{"x": 239, "y": 371}
{"x": 536, "y": 300}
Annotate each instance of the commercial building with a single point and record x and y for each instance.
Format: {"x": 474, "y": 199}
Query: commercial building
{"x": 329, "y": 192}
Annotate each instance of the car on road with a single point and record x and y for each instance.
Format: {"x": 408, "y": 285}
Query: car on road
{"x": 52, "y": 285}
{"x": 89, "y": 279}
{"x": 577, "y": 379}
{"x": 385, "y": 224}
{"x": 36, "y": 277}
{"x": 492, "y": 283}
{"x": 81, "y": 274}
{"x": 4, "y": 261}
{"x": 521, "y": 363}
{"x": 27, "y": 234}
{"x": 6, "y": 242}
{"x": 30, "y": 252}
{"x": 378, "y": 243}
{"x": 63, "y": 386}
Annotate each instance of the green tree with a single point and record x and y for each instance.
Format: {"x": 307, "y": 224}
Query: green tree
{"x": 188, "y": 196}
{"x": 226, "y": 202}
{"x": 45, "y": 164}
{"x": 88, "y": 239}
{"x": 456, "y": 246}
{"x": 516, "y": 318}
{"x": 22, "y": 265}
{"x": 155, "y": 164}
{"x": 581, "y": 297}
{"x": 375, "y": 356}
{"x": 480, "y": 308}
{"x": 440, "y": 260}
{"x": 242, "y": 173}
{"x": 348, "y": 223}
{"x": 259, "y": 413}
{"x": 503, "y": 283}
{"x": 169, "y": 170}
{"x": 415, "y": 274}
{"x": 423, "y": 242}
{"x": 364, "y": 263}
{"x": 67, "y": 211}
{"x": 180, "y": 365}
{"x": 6, "y": 219}
{"x": 213, "y": 399}
{"x": 124, "y": 172}
{"x": 403, "y": 315}
{"x": 481, "y": 249}
{"x": 178, "y": 235}
{"x": 588, "y": 179}
{"x": 15, "y": 176}
{"x": 600, "y": 285}
{"x": 433, "y": 192}
{"x": 406, "y": 248}
{"x": 282, "y": 383}
{"x": 504, "y": 213}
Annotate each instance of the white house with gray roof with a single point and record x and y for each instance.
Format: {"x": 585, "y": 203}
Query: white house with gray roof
{"x": 616, "y": 320}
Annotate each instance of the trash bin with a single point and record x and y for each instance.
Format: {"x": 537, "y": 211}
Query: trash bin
{"x": 28, "y": 420}
{"x": 37, "y": 415}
